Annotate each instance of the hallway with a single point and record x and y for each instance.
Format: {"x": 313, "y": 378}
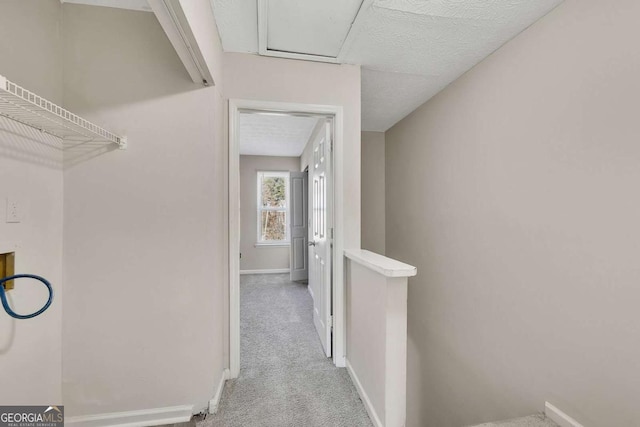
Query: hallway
{"x": 285, "y": 379}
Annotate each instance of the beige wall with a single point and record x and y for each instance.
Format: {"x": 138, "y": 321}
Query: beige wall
{"x": 263, "y": 257}
{"x": 284, "y": 80}
{"x": 366, "y": 326}
{"x": 145, "y": 233}
{"x": 373, "y": 194}
{"x": 274, "y": 79}
{"x": 31, "y": 173}
{"x": 514, "y": 193}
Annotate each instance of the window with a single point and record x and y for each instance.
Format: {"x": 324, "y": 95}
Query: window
{"x": 273, "y": 208}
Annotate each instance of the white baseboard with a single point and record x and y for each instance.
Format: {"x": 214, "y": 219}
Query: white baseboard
{"x": 364, "y": 397}
{"x": 270, "y": 271}
{"x": 559, "y": 417}
{"x": 215, "y": 402}
{"x": 143, "y": 418}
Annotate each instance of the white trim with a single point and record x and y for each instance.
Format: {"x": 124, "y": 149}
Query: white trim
{"x": 272, "y": 245}
{"x": 388, "y": 267}
{"x": 364, "y": 397}
{"x": 338, "y": 263}
{"x": 234, "y": 241}
{"x": 143, "y": 418}
{"x": 559, "y": 417}
{"x": 339, "y": 332}
{"x": 114, "y": 4}
{"x": 269, "y": 271}
{"x": 214, "y": 403}
{"x": 263, "y": 42}
{"x": 263, "y": 22}
{"x": 176, "y": 26}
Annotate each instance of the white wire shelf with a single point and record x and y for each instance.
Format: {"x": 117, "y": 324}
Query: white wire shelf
{"x": 23, "y": 106}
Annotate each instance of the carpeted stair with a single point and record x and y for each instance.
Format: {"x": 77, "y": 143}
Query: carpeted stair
{"x": 530, "y": 421}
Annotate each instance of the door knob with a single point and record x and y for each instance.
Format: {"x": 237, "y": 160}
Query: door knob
{"x": 312, "y": 243}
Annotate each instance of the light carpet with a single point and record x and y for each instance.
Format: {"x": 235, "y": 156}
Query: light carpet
{"x": 285, "y": 378}
{"x": 530, "y": 421}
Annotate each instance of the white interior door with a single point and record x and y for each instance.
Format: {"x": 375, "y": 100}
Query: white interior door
{"x": 299, "y": 260}
{"x": 320, "y": 235}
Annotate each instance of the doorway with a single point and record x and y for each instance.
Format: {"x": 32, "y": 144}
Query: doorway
{"x": 314, "y": 241}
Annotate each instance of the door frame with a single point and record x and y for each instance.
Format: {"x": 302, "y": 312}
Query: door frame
{"x": 338, "y": 288}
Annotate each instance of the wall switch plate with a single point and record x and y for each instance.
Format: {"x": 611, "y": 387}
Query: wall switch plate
{"x": 13, "y": 211}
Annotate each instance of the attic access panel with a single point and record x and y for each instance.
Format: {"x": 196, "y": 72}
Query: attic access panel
{"x": 305, "y": 29}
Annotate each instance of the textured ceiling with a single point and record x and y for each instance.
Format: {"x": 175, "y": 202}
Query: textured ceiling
{"x": 238, "y": 24}
{"x": 294, "y": 25}
{"x": 409, "y": 50}
{"x": 389, "y": 97}
{"x": 274, "y": 135}
{"x": 120, "y": 4}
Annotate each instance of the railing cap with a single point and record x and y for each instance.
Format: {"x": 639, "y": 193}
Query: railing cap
{"x": 388, "y": 267}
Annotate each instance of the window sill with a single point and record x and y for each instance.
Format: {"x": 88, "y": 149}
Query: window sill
{"x": 272, "y": 245}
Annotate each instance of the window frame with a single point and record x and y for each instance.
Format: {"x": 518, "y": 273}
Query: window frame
{"x": 261, "y": 174}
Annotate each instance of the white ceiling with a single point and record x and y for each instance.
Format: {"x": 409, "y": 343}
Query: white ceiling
{"x": 141, "y": 5}
{"x": 308, "y": 19}
{"x": 409, "y": 49}
{"x": 274, "y": 134}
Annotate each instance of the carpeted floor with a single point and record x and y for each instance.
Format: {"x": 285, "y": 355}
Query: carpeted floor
{"x": 285, "y": 378}
{"x": 531, "y": 421}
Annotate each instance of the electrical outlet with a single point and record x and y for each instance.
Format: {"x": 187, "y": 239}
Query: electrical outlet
{"x": 13, "y": 211}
